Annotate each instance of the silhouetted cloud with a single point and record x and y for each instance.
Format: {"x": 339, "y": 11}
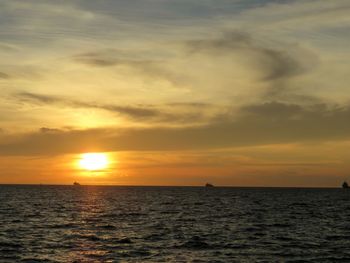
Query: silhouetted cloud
{"x": 268, "y": 123}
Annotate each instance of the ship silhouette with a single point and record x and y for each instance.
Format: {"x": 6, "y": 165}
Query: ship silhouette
{"x": 209, "y": 185}
{"x": 76, "y": 184}
{"x": 345, "y": 185}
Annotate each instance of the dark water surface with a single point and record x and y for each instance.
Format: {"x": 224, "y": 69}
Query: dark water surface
{"x": 173, "y": 224}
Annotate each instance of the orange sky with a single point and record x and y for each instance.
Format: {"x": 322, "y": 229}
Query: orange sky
{"x": 278, "y": 165}
{"x": 175, "y": 92}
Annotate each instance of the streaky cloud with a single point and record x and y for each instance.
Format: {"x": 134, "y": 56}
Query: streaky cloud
{"x": 131, "y": 111}
{"x": 173, "y": 112}
{"x": 139, "y": 62}
{"x": 261, "y": 124}
{"x": 49, "y": 130}
{"x": 4, "y": 75}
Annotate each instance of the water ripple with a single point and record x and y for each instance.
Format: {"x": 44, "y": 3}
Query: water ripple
{"x": 173, "y": 224}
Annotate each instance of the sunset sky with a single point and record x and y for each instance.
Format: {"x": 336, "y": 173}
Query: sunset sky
{"x": 176, "y": 92}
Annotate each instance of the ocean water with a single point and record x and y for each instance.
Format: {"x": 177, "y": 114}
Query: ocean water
{"x": 173, "y": 224}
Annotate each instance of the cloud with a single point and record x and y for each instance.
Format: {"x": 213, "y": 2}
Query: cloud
{"x": 176, "y": 113}
{"x": 275, "y": 63}
{"x": 8, "y": 47}
{"x": 130, "y": 111}
{"x": 141, "y": 62}
{"x": 49, "y": 130}
{"x": 236, "y": 62}
{"x": 262, "y": 124}
{"x": 4, "y": 75}
{"x": 98, "y": 59}
{"x": 90, "y": 61}
{"x": 38, "y": 98}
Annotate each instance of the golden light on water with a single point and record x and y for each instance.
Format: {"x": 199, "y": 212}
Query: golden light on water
{"x": 94, "y": 161}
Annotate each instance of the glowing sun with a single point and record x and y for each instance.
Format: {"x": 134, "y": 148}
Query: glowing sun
{"x": 94, "y": 161}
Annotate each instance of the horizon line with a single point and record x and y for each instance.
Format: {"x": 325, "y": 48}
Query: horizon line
{"x": 199, "y": 186}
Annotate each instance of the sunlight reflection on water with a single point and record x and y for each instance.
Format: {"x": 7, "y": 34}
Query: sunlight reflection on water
{"x": 164, "y": 224}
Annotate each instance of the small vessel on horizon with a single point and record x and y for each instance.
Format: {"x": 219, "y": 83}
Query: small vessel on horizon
{"x": 209, "y": 185}
{"x": 345, "y": 185}
{"x": 76, "y": 184}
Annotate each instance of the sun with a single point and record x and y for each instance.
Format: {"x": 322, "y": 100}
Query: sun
{"x": 94, "y": 161}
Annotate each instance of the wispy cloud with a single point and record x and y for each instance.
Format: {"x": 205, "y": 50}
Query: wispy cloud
{"x": 130, "y": 111}
{"x": 4, "y": 75}
{"x": 275, "y": 64}
{"x": 269, "y": 123}
{"x": 140, "y": 63}
{"x": 237, "y": 81}
{"x": 181, "y": 113}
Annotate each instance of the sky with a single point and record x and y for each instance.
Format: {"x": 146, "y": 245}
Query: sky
{"x": 176, "y": 92}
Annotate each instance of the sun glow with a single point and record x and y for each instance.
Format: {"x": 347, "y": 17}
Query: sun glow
{"x": 94, "y": 161}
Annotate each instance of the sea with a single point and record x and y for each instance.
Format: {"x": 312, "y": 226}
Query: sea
{"x": 173, "y": 224}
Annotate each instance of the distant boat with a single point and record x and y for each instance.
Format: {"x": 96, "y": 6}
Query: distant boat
{"x": 209, "y": 185}
{"x": 345, "y": 185}
{"x": 76, "y": 184}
